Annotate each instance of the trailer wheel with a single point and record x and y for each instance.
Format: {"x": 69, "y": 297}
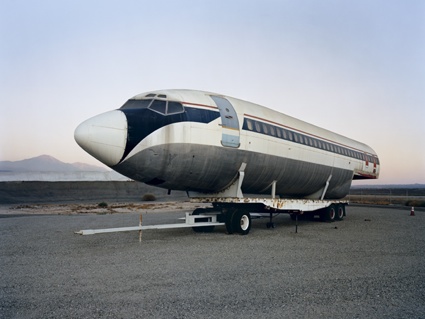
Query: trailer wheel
{"x": 328, "y": 214}
{"x": 203, "y": 229}
{"x": 229, "y": 220}
{"x": 340, "y": 212}
{"x": 241, "y": 222}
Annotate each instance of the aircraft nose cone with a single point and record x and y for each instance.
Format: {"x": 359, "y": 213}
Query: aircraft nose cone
{"x": 104, "y": 136}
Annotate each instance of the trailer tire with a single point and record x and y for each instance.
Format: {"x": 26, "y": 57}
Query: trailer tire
{"x": 328, "y": 214}
{"x": 241, "y": 222}
{"x": 229, "y": 220}
{"x": 203, "y": 229}
{"x": 340, "y": 212}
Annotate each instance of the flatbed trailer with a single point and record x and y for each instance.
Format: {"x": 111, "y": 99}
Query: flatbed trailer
{"x": 304, "y": 205}
{"x": 236, "y": 214}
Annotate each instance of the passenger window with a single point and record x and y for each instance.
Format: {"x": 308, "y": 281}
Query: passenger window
{"x": 257, "y": 127}
{"x": 290, "y": 135}
{"x": 265, "y": 129}
{"x": 249, "y": 124}
{"x": 158, "y": 106}
{"x": 174, "y": 108}
{"x": 315, "y": 142}
{"x": 284, "y": 134}
{"x": 301, "y": 139}
{"x": 279, "y": 133}
{"x": 272, "y": 131}
{"x": 295, "y": 137}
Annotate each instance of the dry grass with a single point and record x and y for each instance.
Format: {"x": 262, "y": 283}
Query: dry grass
{"x": 416, "y": 201}
{"x": 87, "y": 208}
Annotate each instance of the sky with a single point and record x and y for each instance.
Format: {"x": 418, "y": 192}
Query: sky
{"x": 354, "y": 67}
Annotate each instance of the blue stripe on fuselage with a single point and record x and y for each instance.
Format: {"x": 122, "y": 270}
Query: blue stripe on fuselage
{"x": 142, "y": 122}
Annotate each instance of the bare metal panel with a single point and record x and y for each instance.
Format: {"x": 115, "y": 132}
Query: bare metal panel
{"x": 196, "y": 168}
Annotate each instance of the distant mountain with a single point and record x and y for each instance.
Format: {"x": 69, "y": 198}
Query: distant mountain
{"x": 46, "y": 163}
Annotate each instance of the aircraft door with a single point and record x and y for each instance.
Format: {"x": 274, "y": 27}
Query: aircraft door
{"x": 229, "y": 122}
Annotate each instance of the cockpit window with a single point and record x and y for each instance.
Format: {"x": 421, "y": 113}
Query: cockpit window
{"x": 166, "y": 107}
{"x": 159, "y": 106}
{"x": 174, "y": 107}
{"x": 150, "y": 95}
{"x": 136, "y": 104}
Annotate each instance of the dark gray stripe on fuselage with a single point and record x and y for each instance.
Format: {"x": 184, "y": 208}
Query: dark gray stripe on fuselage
{"x": 205, "y": 168}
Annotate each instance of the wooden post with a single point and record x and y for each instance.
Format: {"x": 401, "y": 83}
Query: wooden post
{"x": 140, "y": 231}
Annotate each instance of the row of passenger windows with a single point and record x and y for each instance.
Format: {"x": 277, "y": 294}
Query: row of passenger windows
{"x": 159, "y": 106}
{"x": 285, "y": 134}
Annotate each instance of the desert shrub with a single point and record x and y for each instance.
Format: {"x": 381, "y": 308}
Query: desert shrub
{"x": 148, "y": 198}
{"x": 102, "y": 205}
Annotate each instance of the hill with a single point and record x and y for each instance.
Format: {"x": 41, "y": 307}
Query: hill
{"x": 46, "y": 163}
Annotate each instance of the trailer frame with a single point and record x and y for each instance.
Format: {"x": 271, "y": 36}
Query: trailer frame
{"x": 223, "y": 206}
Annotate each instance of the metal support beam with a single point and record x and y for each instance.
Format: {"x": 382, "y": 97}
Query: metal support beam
{"x": 274, "y": 189}
{"x": 239, "y": 193}
{"x": 326, "y": 187}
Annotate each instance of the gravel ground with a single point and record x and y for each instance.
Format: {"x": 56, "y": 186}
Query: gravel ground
{"x": 371, "y": 265}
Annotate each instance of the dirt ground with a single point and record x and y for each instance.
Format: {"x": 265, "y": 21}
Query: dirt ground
{"x": 99, "y": 209}
{"x": 370, "y": 265}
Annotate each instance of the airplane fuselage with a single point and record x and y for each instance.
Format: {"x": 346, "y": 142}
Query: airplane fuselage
{"x": 197, "y": 141}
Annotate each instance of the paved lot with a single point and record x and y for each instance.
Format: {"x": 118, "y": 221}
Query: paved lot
{"x": 371, "y": 265}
